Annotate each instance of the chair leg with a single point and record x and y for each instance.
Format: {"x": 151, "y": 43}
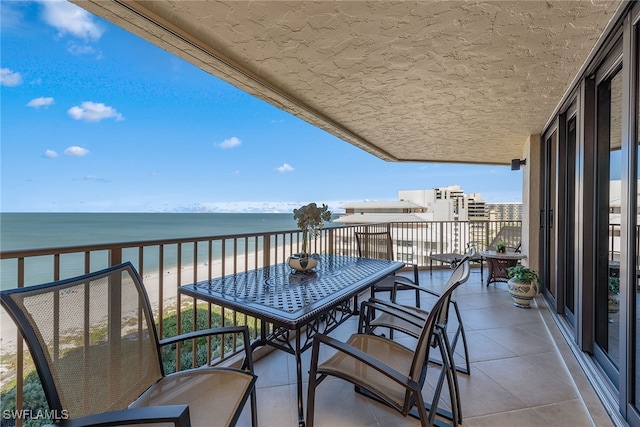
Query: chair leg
{"x": 426, "y": 418}
{"x": 254, "y": 408}
{"x": 417, "y": 298}
{"x": 460, "y": 332}
{"x": 452, "y": 379}
{"x": 311, "y": 392}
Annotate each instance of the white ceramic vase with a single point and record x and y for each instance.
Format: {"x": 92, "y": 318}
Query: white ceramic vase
{"x": 302, "y": 263}
{"x": 522, "y": 293}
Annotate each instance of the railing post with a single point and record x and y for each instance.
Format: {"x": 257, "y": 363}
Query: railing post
{"x": 115, "y": 256}
{"x": 266, "y": 250}
{"x": 331, "y": 242}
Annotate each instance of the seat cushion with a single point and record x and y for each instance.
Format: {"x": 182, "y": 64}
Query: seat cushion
{"x": 214, "y": 395}
{"x": 388, "y": 352}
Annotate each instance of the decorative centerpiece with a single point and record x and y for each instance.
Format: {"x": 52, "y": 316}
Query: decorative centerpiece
{"x": 310, "y": 219}
{"x": 501, "y": 248}
{"x": 522, "y": 285}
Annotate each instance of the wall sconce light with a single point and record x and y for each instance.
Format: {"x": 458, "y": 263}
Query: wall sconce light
{"x": 515, "y": 164}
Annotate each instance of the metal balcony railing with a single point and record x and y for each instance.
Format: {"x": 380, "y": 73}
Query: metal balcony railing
{"x": 167, "y": 264}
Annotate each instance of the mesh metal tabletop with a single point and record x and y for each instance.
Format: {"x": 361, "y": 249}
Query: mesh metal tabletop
{"x": 279, "y": 293}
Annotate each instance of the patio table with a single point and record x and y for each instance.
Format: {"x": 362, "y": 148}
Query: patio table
{"x": 499, "y": 264}
{"x": 300, "y": 304}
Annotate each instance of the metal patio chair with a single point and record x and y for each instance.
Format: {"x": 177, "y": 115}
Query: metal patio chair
{"x": 378, "y": 244}
{"x": 388, "y": 371}
{"x": 95, "y": 347}
{"x": 410, "y": 321}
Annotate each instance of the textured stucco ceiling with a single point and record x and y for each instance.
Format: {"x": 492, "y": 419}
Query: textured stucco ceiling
{"x": 443, "y": 81}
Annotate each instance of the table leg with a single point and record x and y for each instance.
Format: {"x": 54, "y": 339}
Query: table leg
{"x": 299, "y": 380}
{"x": 499, "y": 269}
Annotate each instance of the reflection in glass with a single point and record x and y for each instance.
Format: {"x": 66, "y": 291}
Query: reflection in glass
{"x": 609, "y": 144}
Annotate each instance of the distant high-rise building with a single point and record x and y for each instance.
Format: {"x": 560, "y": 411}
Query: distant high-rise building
{"x": 448, "y": 203}
{"x": 505, "y": 211}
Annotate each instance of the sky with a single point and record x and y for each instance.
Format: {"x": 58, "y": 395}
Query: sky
{"x": 95, "y": 119}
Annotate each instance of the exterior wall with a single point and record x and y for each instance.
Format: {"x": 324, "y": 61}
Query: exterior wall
{"x": 532, "y": 201}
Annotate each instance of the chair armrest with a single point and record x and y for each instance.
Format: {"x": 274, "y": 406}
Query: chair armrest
{"x": 417, "y": 287}
{"x": 367, "y": 359}
{"x": 368, "y": 308}
{"x": 178, "y": 415}
{"x": 388, "y": 306}
{"x": 244, "y": 330}
{"x": 204, "y": 333}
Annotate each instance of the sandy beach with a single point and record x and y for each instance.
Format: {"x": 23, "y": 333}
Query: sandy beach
{"x": 169, "y": 284}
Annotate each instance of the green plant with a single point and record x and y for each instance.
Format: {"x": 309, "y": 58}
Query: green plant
{"x": 614, "y": 285}
{"x": 310, "y": 219}
{"x": 501, "y": 247}
{"x": 522, "y": 274}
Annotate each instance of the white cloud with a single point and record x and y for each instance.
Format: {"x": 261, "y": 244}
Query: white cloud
{"x": 253, "y": 206}
{"x": 9, "y": 78}
{"x": 94, "y": 112}
{"x": 76, "y": 151}
{"x": 78, "y": 49}
{"x": 40, "y": 102}
{"x": 50, "y": 154}
{"x": 69, "y": 18}
{"x": 285, "y": 168}
{"x": 230, "y": 142}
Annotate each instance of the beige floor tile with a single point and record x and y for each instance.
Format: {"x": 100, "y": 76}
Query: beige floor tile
{"x": 527, "y": 382}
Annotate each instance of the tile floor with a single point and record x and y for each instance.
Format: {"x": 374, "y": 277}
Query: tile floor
{"x": 522, "y": 372}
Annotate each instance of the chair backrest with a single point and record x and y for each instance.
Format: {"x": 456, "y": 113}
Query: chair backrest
{"x": 92, "y": 338}
{"x": 375, "y": 244}
{"x": 510, "y": 235}
{"x": 418, "y": 365}
{"x": 459, "y": 276}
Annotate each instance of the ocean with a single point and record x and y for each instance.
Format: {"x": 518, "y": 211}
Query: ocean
{"x": 46, "y": 230}
{"x": 20, "y": 231}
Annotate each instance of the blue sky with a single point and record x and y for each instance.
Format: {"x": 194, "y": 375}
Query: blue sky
{"x": 95, "y": 119}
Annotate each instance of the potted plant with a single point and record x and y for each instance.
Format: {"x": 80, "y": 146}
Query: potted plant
{"x": 523, "y": 285}
{"x": 310, "y": 219}
{"x": 501, "y": 247}
{"x": 614, "y": 296}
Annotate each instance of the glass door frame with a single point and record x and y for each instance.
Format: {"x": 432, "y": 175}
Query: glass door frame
{"x": 611, "y": 67}
{"x": 629, "y": 335}
{"x": 567, "y": 223}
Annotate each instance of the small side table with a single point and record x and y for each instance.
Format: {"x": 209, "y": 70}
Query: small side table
{"x": 499, "y": 264}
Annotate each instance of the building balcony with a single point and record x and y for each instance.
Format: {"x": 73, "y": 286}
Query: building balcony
{"x": 522, "y": 370}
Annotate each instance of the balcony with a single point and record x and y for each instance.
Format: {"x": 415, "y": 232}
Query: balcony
{"x": 523, "y": 372}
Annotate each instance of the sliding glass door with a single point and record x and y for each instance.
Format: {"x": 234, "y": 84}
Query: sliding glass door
{"x": 608, "y": 216}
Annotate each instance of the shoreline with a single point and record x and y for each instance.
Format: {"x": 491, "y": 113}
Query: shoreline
{"x": 151, "y": 282}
